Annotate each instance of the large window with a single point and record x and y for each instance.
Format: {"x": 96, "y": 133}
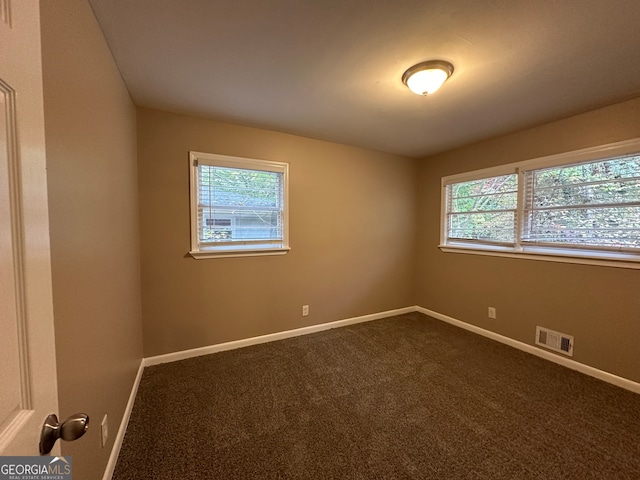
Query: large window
{"x": 583, "y": 205}
{"x": 239, "y": 206}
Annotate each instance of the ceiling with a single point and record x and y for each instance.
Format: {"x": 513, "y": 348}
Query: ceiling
{"x": 331, "y": 69}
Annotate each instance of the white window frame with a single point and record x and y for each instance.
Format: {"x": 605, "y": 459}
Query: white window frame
{"x": 239, "y": 249}
{"x": 589, "y": 256}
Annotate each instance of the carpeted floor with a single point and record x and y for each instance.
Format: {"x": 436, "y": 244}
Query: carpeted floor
{"x": 403, "y": 397}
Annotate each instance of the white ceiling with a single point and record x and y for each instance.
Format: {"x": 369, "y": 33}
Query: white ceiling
{"x": 331, "y": 69}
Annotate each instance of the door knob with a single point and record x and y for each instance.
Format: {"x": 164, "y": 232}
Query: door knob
{"x": 71, "y": 429}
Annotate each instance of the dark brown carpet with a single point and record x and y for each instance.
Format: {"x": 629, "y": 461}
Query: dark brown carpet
{"x": 403, "y": 397}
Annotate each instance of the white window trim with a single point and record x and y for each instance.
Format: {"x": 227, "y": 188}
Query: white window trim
{"x": 564, "y": 255}
{"x": 245, "y": 249}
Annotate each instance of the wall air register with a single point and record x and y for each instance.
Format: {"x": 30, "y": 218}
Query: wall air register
{"x": 558, "y": 342}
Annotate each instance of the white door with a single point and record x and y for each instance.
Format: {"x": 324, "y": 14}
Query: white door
{"x": 28, "y": 385}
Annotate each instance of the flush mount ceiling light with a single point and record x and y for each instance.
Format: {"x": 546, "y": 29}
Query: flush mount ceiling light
{"x": 427, "y": 77}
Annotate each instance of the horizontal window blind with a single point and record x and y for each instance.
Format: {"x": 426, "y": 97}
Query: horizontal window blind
{"x": 586, "y": 205}
{"x": 239, "y": 206}
{"x": 483, "y": 210}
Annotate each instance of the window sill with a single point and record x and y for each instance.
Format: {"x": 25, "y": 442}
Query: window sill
{"x": 585, "y": 257}
{"x": 239, "y": 251}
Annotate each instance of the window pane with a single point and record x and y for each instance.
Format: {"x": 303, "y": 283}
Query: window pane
{"x": 588, "y": 204}
{"x": 483, "y": 210}
{"x": 239, "y": 205}
{"x": 235, "y": 187}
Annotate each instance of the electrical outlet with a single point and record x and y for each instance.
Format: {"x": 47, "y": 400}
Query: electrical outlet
{"x": 492, "y": 312}
{"x": 105, "y": 430}
{"x": 305, "y": 310}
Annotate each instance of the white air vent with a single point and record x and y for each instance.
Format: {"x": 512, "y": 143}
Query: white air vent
{"x": 556, "y": 341}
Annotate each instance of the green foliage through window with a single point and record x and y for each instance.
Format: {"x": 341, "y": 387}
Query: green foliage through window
{"x": 592, "y": 204}
{"x": 239, "y": 205}
{"x": 484, "y": 209}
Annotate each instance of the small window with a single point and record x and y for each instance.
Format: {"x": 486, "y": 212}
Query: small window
{"x": 583, "y": 205}
{"x": 483, "y": 210}
{"x": 239, "y": 206}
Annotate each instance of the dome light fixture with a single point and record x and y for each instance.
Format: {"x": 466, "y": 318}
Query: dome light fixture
{"x": 427, "y": 77}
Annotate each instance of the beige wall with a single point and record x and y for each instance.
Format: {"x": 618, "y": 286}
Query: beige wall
{"x": 600, "y": 306}
{"x": 91, "y": 164}
{"x": 352, "y": 232}
{"x": 353, "y": 236}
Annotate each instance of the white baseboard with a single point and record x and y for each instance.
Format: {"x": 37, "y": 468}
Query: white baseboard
{"x": 565, "y": 362}
{"x": 117, "y": 443}
{"x": 220, "y": 347}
